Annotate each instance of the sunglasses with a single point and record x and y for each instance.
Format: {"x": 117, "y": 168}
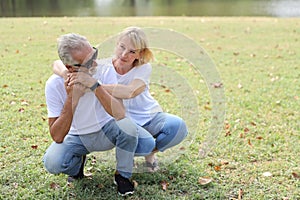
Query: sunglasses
{"x": 89, "y": 63}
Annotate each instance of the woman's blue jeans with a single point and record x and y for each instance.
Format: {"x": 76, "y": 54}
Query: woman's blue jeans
{"x": 128, "y": 138}
{"x": 169, "y": 130}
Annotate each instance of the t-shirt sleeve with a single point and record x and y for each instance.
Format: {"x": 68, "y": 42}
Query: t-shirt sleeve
{"x": 54, "y": 101}
{"x": 143, "y": 73}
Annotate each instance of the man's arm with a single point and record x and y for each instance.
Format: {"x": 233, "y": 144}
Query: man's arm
{"x": 60, "y": 126}
{"x": 112, "y": 105}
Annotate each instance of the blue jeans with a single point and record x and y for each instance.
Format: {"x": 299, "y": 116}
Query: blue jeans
{"x": 66, "y": 157}
{"x": 169, "y": 130}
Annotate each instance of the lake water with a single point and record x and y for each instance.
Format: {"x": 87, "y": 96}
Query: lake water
{"x": 49, "y": 8}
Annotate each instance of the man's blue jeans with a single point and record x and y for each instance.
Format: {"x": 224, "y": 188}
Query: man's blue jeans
{"x": 128, "y": 138}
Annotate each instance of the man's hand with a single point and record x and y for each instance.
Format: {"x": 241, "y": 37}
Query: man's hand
{"x": 76, "y": 90}
{"x": 81, "y": 77}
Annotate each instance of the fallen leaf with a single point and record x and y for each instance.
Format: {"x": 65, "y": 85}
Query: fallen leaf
{"x": 135, "y": 183}
{"x": 204, "y": 180}
{"x": 207, "y": 107}
{"x": 217, "y": 168}
{"x": 217, "y": 85}
{"x": 100, "y": 186}
{"x": 182, "y": 148}
{"x": 259, "y": 137}
{"x": 21, "y": 110}
{"x": 54, "y": 186}
{"x": 295, "y": 175}
{"x": 267, "y": 174}
{"x": 24, "y": 103}
{"x": 167, "y": 90}
{"x": 227, "y": 126}
{"x": 228, "y": 133}
{"x": 246, "y": 130}
{"x": 164, "y": 185}
{"x": 224, "y": 162}
{"x": 236, "y": 53}
{"x": 34, "y": 146}
{"x": 253, "y": 123}
{"x": 249, "y": 142}
{"x": 5, "y": 86}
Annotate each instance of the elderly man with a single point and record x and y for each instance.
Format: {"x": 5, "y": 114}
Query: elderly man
{"x": 84, "y": 117}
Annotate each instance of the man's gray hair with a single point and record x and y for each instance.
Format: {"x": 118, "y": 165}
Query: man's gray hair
{"x": 67, "y": 44}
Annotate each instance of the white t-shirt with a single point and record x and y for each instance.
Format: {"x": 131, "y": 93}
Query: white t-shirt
{"x": 143, "y": 107}
{"x": 89, "y": 115}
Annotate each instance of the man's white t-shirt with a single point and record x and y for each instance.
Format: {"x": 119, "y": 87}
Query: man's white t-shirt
{"x": 89, "y": 115}
{"x": 143, "y": 107}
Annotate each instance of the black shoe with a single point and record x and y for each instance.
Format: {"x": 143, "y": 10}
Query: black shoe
{"x": 80, "y": 174}
{"x": 125, "y": 186}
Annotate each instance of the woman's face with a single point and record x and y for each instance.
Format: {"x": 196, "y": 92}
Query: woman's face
{"x": 126, "y": 54}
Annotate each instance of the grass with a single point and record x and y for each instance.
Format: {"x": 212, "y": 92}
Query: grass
{"x": 257, "y": 59}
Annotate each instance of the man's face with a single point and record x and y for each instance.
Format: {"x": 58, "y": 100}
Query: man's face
{"x": 85, "y": 60}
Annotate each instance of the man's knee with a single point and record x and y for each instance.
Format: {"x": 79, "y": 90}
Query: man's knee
{"x": 52, "y": 163}
{"x": 127, "y": 126}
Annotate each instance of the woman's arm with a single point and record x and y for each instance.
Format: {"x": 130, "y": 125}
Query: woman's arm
{"x": 60, "y": 69}
{"x": 135, "y": 88}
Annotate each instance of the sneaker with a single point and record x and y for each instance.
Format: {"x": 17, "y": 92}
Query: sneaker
{"x": 125, "y": 186}
{"x": 80, "y": 174}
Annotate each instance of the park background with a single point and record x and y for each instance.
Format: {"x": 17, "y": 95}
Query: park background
{"x": 255, "y": 48}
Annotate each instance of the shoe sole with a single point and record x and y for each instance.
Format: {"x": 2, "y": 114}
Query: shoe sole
{"x": 127, "y": 193}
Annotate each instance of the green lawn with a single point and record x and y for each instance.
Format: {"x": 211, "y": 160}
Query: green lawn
{"x": 254, "y": 156}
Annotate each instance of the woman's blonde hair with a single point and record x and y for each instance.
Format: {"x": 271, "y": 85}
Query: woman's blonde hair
{"x": 139, "y": 40}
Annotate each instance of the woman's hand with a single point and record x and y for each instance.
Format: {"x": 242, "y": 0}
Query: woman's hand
{"x": 81, "y": 77}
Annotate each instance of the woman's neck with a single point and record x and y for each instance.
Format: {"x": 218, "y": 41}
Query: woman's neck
{"x": 121, "y": 69}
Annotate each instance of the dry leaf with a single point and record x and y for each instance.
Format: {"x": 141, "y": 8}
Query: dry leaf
{"x": 34, "y": 146}
{"x": 224, "y": 162}
{"x": 24, "y": 103}
{"x": 135, "y": 183}
{"x": 227, "y": 126}
{"x": 5, "y": 86}
{"x": 54, "y": 186}
{"x": 204, "y": 180}
{"x": 164, "y": 185}
{"x": 207, "y": 107}
{"x": 249, "y": 142}
{"x": 217, "y": 85}
{"x": 217, "y": 168}
{"x": 21, "y": 110}
{"x": 259, "y": 137}
{"x": 295, "y": 175}
{"x": 246, "y": 130}
{"x": 253, "y": 123}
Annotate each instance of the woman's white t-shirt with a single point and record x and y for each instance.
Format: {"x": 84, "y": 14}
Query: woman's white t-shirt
{"x": 143, "y": 107}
